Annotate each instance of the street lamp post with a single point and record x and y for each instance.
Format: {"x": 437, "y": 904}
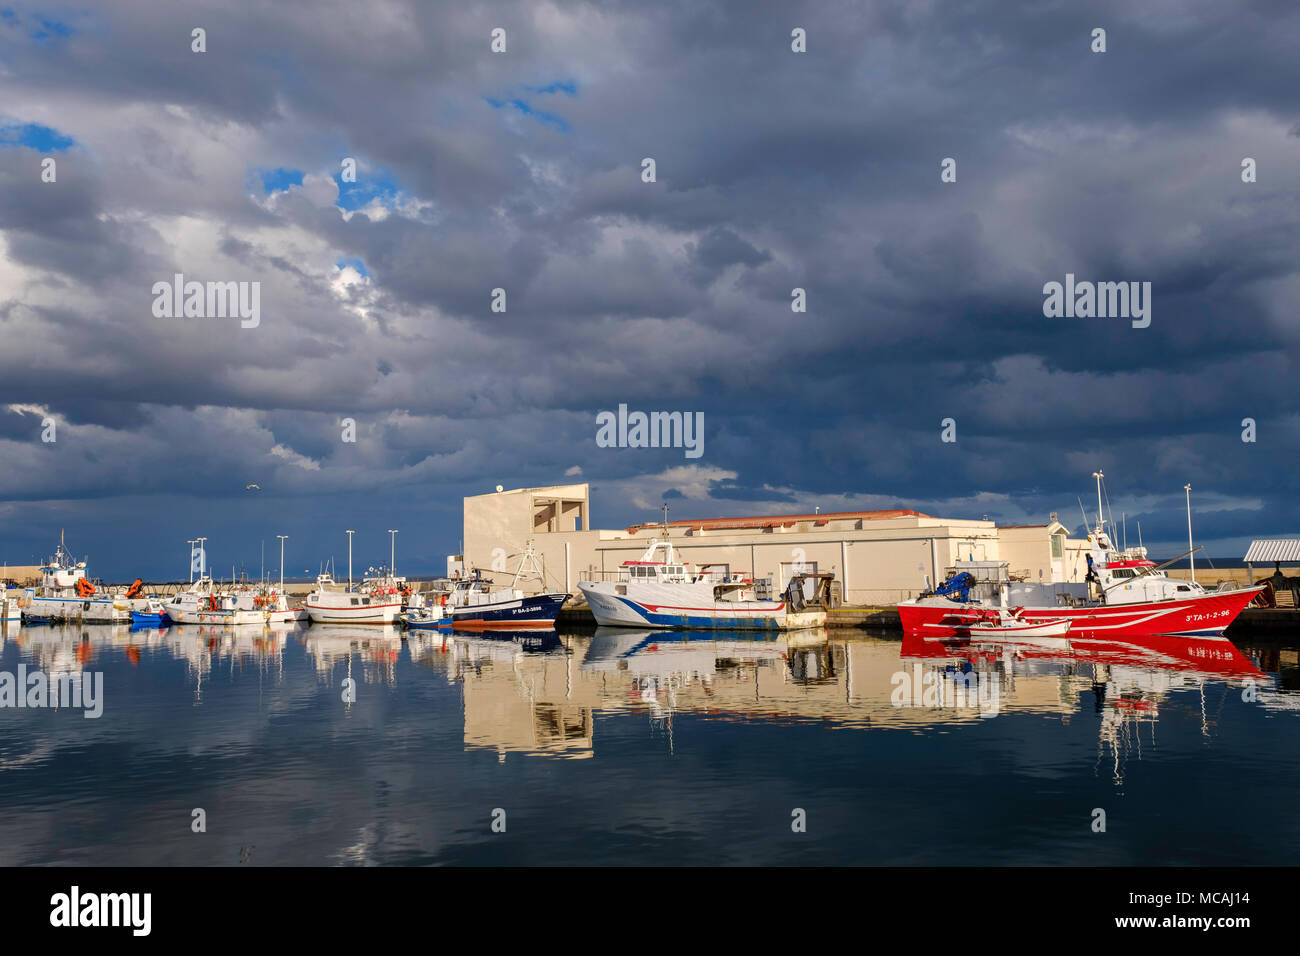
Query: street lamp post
{"x": 282, "y": 537}
{"x": 350, "y": 534}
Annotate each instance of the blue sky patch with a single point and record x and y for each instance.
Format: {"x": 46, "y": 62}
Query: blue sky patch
{"x": 354, "y": 263}
{"x": 50, "y": 31}
{"x": 370, "y": 186}
{"x": 279, "y": 179}
{"x": 524, "y": 108}
{"x": 567, "y": 87}
{"x": 35, "y": 136}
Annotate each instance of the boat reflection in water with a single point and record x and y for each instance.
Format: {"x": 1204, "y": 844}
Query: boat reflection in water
{"x": 543, "y": 701}
{"x": 1129, "y": 679}
{"x": 516, "y": 688}
{"x": 71, "y": 647}
{"x": 376, "y": 647}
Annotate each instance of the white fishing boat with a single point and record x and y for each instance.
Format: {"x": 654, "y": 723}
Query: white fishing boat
{"x": 66, "y": 594}
{"x": 331, "y": 603}
{"x": 203, "y": 603}
{"x": 662, "y": 590}
{"x": 275, "y": 601}
{"x": 9, "y": 609}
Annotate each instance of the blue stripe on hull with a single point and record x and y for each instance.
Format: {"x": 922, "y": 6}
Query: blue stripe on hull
{"x": 693, "y": 621}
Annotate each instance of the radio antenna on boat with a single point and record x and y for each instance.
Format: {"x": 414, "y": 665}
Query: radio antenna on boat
{"x": 1101, "y": 517}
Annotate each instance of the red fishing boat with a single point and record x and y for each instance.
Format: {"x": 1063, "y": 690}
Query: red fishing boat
{"x": 1124, "y": 595}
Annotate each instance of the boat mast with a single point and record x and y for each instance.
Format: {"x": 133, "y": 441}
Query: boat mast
{"x": 1101, "y": 518}
{"x": 392, "y": 554}
{"x": 1191, "y": 560}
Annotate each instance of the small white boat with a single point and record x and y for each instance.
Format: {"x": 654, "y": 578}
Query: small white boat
{"x": 427, "y": 617}
{"x": 9, "y": 609}
{"x": 997, "y": 623}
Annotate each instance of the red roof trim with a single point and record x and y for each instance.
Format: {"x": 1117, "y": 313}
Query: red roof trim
{"x": 785, "y": 521}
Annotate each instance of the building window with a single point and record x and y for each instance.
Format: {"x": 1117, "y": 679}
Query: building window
{"x": 1058, "y": 545}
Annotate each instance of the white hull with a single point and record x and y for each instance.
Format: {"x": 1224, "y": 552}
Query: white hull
{"x": 1010, "y": 631}
{"x": 688, "y": 606}
{"x": 219, "y": 618}
{"x": 363, "y": 614}
{"x": 98, "y": 610}
{"x": 293, "y": 615}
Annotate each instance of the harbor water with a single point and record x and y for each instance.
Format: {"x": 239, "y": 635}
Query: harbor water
{"x": 329, "y": 745}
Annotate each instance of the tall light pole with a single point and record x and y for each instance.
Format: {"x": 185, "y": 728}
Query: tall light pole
{"x": 282, "y": 537}
{"x": 350, "y": 534}
{"x": 1191, "y": 558}
{"x": 392, "y": 553}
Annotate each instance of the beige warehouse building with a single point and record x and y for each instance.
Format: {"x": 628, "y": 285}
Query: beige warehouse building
{"x": 880, "y": 557}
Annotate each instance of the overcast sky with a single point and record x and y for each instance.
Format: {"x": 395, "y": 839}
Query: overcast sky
{"x": 522, "y": 170}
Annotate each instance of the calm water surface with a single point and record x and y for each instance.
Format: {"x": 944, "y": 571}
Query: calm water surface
{"x": 649, "y": 748}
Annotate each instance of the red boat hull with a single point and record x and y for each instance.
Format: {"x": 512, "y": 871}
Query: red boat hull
{"x": 1204, "y": 615}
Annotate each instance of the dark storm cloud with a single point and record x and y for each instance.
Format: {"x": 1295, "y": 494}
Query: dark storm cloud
{"x": 774, "y": 170}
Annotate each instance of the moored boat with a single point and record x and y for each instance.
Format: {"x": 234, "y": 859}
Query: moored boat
{"x": 661, "y": 590}
{"x": 202, "y": 603}
{"x": 331, "y": 603}
{"x": 998, "y": 624}
{"x": 154, "y": 614}
{"x": 427, "y": 617}
{"x": 476, "y": 605}
{"x": 67, "y": 594}
{"x": 1125, "y": 594}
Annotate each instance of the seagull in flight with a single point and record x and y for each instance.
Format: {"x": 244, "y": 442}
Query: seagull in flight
{"x": 252, "y": 487}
